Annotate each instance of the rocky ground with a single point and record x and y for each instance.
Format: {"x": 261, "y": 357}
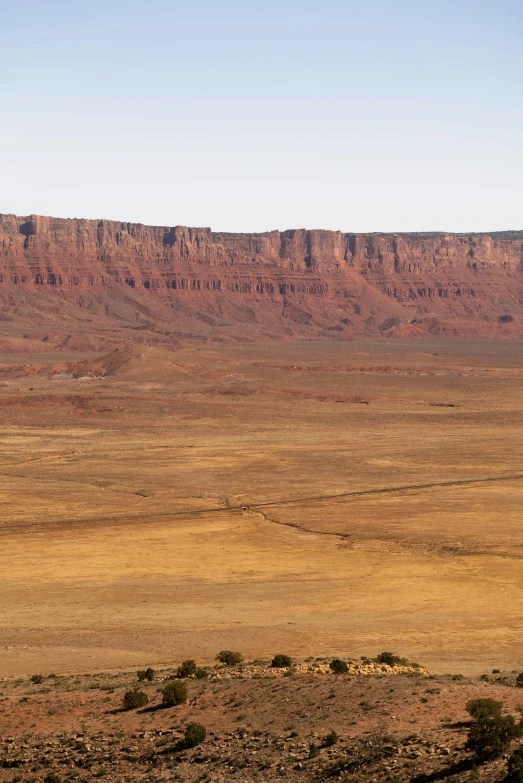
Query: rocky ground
{"x": 390, "y": 724}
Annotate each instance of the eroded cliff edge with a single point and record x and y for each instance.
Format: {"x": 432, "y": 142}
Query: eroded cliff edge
{"x": 188, "y": 283}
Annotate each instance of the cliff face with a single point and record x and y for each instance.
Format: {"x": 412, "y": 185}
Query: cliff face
{"x": 300, "y": 283}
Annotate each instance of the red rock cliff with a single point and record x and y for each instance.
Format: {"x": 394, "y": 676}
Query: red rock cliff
{"x": 56, "y": 271}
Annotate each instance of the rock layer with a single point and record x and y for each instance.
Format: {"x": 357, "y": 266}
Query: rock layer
{"x": 194, "y": 283}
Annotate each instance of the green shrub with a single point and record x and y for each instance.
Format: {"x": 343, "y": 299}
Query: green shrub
{"x": 313, "y": 750}
{"x": 281, "y": 661}
{"x": 519, "y": 680}
{"x": 331, "y": 739}
{"x": 484, "y": 678}
{"x": 480, "y": 709}
{"x": 134, "y": 698}
{"x": 195, "y": 733}
{"x": 52, "y": 778}
{"x": 174, "y": 693}
{"x": 200, "y": 674}
{"x": 338, "y": 666}
{"x": 490, "y": 732}
{"x": 146, "y": 674}
{"x": 229, "y": 658}
{"x": 187, "y": 669}
{"x": 37, "y": 679}
{"x": 391, "y": 660}
{"x": 515, "y": 766}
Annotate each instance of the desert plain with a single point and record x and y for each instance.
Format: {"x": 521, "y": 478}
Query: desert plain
{"x": 313, "y": 498}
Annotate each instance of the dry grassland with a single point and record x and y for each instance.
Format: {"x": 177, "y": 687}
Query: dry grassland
{"x": 339, "y": 499}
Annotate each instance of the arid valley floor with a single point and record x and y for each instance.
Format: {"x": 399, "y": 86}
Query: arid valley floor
{"x": 316, "y": 498}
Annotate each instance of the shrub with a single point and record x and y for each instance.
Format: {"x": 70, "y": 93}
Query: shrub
{"x": 484, "y": 708}
{"x": 134, "y": 698}
{"x": 52, "y": 778}
{"x": 519, "y": 680}
{"x": 187, "y": 669}
{"x": 174, "y": 693}
{"x": 281, "y": 661}
{"x": 338, "y": 666}
{"x": 200, "y": 674}
{"x": 313, "y": 750}
{"x": 331, "y": 739}
{"x": 146, "y": 674}
{"x": 229, "y": 658}
{"x": 515, "y": 766}
{"x": 491, "y": 732}
{"x": 195, "y": 733}
{"x": 391, "y": 660}
{"x": 37, "y": 679}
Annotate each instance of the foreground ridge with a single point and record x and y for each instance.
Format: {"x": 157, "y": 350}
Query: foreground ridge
{"x": 313, "y": 721}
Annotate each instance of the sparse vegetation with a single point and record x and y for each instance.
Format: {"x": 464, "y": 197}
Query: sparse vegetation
{"x": 515, "y": 766}
{"x": 391, "y": 660}
{"x": 281, "y": 661}
{"x": 37, "y": 679}
{"x": 331, "y": 739}
{"x": 338, "y": 666}
{"x": 229, "y": 658}
{"x": 491, "y": 732}
{"x": 134, "y": 698}
{"x": 146, "y": 675}
{"x": 195, "y": 734}
{"x": 174, "y": 693}
{"x": 186, "y": 669}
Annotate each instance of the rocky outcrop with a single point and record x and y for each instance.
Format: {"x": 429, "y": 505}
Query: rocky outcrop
{"x": 297, "y": 283}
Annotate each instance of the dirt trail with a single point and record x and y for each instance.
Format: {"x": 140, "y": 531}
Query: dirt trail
{"x": 252, "y": 507}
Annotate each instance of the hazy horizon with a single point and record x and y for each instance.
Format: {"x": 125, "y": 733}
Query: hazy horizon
{"x": 353, "y": 116}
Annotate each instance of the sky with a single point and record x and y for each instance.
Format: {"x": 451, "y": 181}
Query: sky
{"x": 355, "y": 115}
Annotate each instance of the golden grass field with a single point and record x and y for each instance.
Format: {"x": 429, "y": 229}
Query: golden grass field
{"x": 230, "y": 497}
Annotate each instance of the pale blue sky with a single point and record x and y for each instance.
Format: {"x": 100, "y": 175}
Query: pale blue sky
{"x": 360, "y": 116}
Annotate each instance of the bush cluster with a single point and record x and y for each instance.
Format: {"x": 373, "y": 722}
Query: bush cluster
{"x": 134, "y": 699}
{"x": 331, "y": 739}
{"x": 146, "y": 674}
{"x": 186, "y": 669}
{"x": 391, "y": 660}
{"x": 195, "y": 733}
{"x": 174, "y": 693}
{"x": 515, "y": 766}
{"x": 491, "y": 732}
{"x": 338, "y": 666}
{"x": 281, "y": 661}
{"x": 229, "y": 658}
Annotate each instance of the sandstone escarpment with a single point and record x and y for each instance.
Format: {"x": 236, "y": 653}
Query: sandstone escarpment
{"x": 188, "y": 283}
